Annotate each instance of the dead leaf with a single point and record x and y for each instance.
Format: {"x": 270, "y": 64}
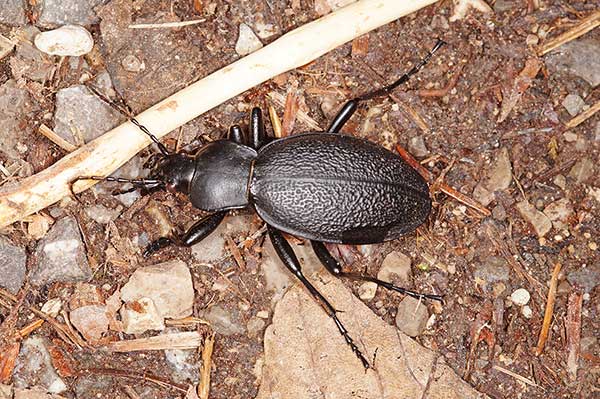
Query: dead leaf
{"x": 306, "y": 357}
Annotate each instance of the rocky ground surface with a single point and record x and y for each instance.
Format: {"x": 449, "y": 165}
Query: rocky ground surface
{"x": 489, "y": 115}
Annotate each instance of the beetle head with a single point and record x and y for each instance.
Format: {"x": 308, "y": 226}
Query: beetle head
{"x": 175, "y": 171}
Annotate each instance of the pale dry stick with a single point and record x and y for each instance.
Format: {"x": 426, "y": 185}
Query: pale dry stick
{"x": 573, "y": 327}
{"x": 204, "y": 385}
{"x": 302, "y": 116}
{"x": 583, "y": 116}
{"x": 519, "y": 377}
{"x": 167, "y": 24}
{"x": 585, "y": 25}
{"x": 181, "y": 340}
{"x": 56, "y": 139}
{"x": 549, "y": 310}
{"x": 108, "y": 152}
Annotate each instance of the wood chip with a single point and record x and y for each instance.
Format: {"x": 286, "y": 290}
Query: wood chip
{"x": 549, "y": 310}
{"x": 582, "y": 117}
{"x": 56, "y": 139}
{"x": 584, "y": 26}
{"x": 573, "y": 327}
{"x": 181, "y": 340}
{"x": 204, "y": 385}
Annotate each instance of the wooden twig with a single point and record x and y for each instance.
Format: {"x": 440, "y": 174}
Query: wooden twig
{"x": 204, "y": 385}
{"x": 519, "y": 377}
{"x": 56, "y": 139}
{"x": 584, "y": 26}
{"x": 167, "y": 24}
{"x": 108, "y": 152}
{"x": 302, "y": 116}
{"x": 582, "y": 117}
{"x": 549, "y": 310}
{"x": 443, "y": 187}
{"x": 275, "y": 122}
{"x": 573, "y": 327}
{"x": 181, "y": 340}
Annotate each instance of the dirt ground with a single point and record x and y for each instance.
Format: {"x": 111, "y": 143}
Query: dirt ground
{"x": 470, "y": 107}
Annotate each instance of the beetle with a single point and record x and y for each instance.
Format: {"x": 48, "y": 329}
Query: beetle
{"x": 326, "y": 187}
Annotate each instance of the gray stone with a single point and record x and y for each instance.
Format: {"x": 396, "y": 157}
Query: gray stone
{"x": 91, "y": 321}
{"x": 582, "y": 170}
{"x": 247, "y": 41}
{"x": 586, "y": 277}
{"x": 417, "y": 147}
{"x": 140, "y": 316}
{"x": 500, "y": 175}
{"x": 578, "y": 57}
{"x": 222, "y": 321}
{"x": 29, "y": 62}
{"x": 412, "y": 316}
{"x": 79, "y": 110}
{"x": 14, "y": 102}
{"x": 6, "y": 47}
{"x": 61, "y": 12}
{"x": 12, "y": 265}
{"x": 61, "y": 255}
{"x": 184, "y": 367}
{"x": 12, "y": 12}
{"x": 255, "y": 326}
{"x": 573, "y": 104}
{"x": 540, "y": 222}
{"x": 102, "y": 214}
{"x": 492, "y": 269}
{"x": 395, "y": 264}
{"x": 503, "y": 5}
{"x": 168, "y": 284}
{"x": 33, "y": 367}
{"x": 559, "y": 210}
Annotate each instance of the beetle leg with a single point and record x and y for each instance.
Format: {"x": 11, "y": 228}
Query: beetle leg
{"x": 199, "y": 231}
{"x": 289, "y": 259}
{"x": 257, "y": 129}
{"x": 334, "y": 268}
{"x": 350, "y": 107}
{"x": 236, "y": 134}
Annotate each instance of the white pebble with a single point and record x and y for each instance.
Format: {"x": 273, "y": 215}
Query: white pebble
{"x": 68, "y": 40}
{"x": 527, "y": 312}
{"x": 247, "y": 41}
{"x": 520, "y": 297}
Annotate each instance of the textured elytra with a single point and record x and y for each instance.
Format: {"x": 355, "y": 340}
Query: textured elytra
{"x": 337, "y": 188}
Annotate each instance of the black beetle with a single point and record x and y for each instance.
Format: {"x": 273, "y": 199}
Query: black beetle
{"x": 322, "y": 186}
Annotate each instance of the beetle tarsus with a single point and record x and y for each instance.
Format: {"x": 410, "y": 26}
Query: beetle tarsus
{"x": 289, "y": 259}
{"x": 333, "y": 266}
{"x": 154, "y": 246}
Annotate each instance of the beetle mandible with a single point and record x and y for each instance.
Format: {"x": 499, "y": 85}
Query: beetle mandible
{"x": 322, "y": 186}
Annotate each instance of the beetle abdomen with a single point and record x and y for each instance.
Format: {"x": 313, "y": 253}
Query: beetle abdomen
{"x": 337, "y": 188}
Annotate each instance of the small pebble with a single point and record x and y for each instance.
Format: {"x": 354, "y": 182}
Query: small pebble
{"x": 367, "y": 291}
{"x": 133, "y": 64}
{"x": 247, "y": 41}
{"x": 68, "y": 40}
{"x": 527, "y": 312}
{"x": 573, "y": 104}
{"x": 263, "y": 314}
{"x": 520, "y": 297}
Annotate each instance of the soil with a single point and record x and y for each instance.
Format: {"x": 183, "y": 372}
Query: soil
{"x": 462, "y": 136}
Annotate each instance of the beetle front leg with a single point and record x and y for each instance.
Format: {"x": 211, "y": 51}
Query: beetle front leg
{"x": 334, "y": 268}
{"x": 199, "y": 231}
{"x": 236, "y": 135}
{"x": 289, "y": 259}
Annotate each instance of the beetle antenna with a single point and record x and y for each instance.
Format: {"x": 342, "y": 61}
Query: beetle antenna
{"x": 161, "y": 147}
{"x": 404, "y": 78}
{"x": 126, "y": 110}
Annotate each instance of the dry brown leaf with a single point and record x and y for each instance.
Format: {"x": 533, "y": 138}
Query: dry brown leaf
{"x": 306, "y": 357}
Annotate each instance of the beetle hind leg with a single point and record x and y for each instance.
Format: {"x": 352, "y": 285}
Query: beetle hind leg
{"x": 350, "y": 107}
{"x": 288, "y": 257}
{"x": 333, "y": 266}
